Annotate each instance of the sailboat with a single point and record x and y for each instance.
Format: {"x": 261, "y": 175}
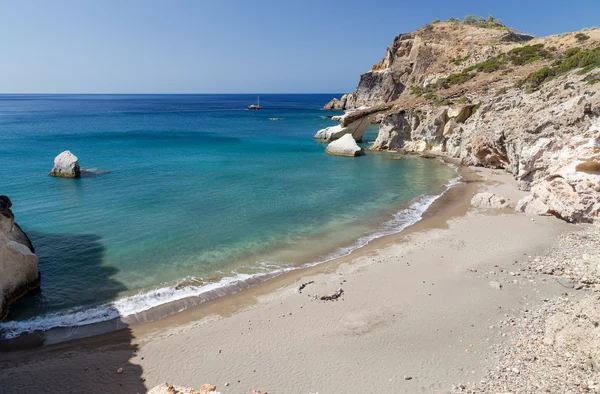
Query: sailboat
{"x": 255, "y": 106}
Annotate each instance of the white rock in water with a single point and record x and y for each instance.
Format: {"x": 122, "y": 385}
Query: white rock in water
{"x": 489, "y": 200}
{"x": 345, "y": 146}
{"x": 66, "y": 165}
{"x": 18, "y": 263}
{"x": 356, "y": 129}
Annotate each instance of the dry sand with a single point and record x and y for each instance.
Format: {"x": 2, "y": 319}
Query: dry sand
{"x": 417, "y": 315}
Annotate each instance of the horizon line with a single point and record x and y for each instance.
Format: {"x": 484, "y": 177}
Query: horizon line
{"x": 180, "y": 94}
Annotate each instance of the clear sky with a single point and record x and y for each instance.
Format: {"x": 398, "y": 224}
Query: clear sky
{"x": 220, "y": 46}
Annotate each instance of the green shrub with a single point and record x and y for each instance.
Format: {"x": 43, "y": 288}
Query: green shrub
{"x": 433, "y": 22}
{"x": 527, "y": 54}
{"x": 573, "y": 58}
{"x": 492, "y": 64}
{"x": 537, "y": 78}
{"x": 459, "y": 60}
{"x": 582, "y": 37}
{"x": 593, "y": 81}
{"x": 457, "y": 78}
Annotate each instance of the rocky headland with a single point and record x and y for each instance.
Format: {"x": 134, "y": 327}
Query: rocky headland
{"x": 18, "y": 262}
{"x": 491, "y": 97}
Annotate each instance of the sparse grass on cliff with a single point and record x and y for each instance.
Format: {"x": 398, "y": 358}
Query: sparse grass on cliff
{"x": 572, "y": 59}
{"x": 582, "y": 36}
{"x": 488, "y": 23}
{"x": 515, "y": 57}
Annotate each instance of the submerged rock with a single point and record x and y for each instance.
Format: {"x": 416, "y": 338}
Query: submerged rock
{"x": 18, "y": 263}
{"x": 66, "y": 165}
{"x": 489, "y": 200}
{"x": 345, "y": 146}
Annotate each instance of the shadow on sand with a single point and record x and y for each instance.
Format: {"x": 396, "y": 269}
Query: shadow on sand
{"x": 64, "y": 360}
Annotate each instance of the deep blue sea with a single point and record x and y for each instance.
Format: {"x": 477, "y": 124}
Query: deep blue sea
{"x": 188, "y": 193}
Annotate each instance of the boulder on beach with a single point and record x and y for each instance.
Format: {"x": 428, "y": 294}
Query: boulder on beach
{"x": 489, "y": 200}
{"x": 345, "y": 146}
{"x": 66, "y": 165}
{"x": 18, "y": 263}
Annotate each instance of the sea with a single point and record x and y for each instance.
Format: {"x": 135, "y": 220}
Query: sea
{"x": 183, "y": 195}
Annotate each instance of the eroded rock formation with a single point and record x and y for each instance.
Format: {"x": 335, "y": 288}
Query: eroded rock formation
{"x": 18, "y": 263}
{"x": 466, "y": 92}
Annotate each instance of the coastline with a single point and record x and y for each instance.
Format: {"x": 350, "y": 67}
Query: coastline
{"x": 158, "y": 303}
{"x": 250, "y": 329}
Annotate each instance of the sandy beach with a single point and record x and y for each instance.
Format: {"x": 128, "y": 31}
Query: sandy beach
{"x": 420, "y": 311}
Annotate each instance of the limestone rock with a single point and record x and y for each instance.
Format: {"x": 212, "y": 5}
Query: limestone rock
{"x": 489, "y": 200}
{"x": 18, "y": 263}
{"x": 66, "y": 165}
{"x": 557, "y": 197}
{"x": 393, "y": 131}
{"x": 355, "y": 128}
{"x": 460, "y": 114}
{"x": 345, "y": 146}
{"x": 336, "y": 105}
{"x": 548, "y": 139}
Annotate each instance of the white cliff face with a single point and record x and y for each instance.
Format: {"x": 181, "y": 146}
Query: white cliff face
{"x": 394, "y": 130}
{"x": 344, "y": 146}
{"x": 66, "y": 165}
{"x": 549, "y": 140}
{"x": 356, "y": 129}
{"x": 18, "y": 263}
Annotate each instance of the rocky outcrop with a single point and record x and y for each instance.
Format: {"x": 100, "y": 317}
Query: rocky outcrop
{"x": 66, "y": 165}
{"x": 462, "y": 104}
{"x": 394, "y": 131}
{"x": 355, "y": 128}
{"x": 335, "y": 104}
{"x": 18, "y": 263}
{"x": 489, "y": 200}
{"x": 344, "y": 146}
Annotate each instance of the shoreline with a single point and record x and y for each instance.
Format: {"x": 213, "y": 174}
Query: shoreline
{"x": 273, "y": 338}
{"x": 209, "y": 292}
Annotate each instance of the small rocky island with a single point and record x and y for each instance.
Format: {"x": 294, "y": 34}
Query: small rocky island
{"x": 66, "y": 165}
{"x": 18, "y": 262}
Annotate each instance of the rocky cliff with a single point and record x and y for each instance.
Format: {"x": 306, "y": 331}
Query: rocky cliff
{"x": 18, "y": 263}
{"x": 496, "y": 98}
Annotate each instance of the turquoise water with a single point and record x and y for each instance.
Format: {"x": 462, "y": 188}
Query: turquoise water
{"x": 190, "y": 192}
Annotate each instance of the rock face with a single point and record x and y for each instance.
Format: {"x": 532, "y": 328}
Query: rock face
{"x": 548, "y": 137}
{"x": 489, "y": 200}
{"x": 394, "y": 131}
{"x": 345, "y": 146}
{"x": 66, "y": 165}
{"x": 18, "y": 263}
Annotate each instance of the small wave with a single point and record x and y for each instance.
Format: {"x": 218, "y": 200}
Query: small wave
{"x": 192, "y": 287}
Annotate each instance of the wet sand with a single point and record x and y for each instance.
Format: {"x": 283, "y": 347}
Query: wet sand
{"x": 414, "y": 306}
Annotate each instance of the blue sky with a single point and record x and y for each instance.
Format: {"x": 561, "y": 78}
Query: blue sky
{"x": 220, "y": 46}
